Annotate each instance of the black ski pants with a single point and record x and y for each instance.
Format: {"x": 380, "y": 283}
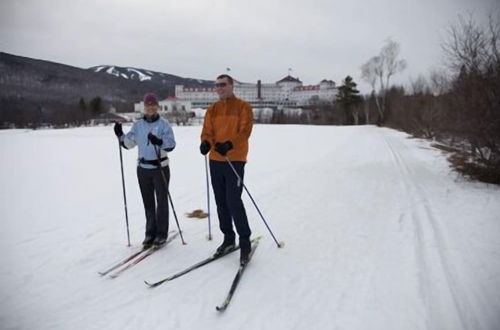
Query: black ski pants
{"x": 227, "y": 191}
{"x": 152, "y": 183}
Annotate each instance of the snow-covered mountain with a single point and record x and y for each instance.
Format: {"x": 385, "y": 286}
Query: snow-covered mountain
{"x": 127, "y": 73}
{"x": 27, "y": 84}
{"x": 142, "y": 75}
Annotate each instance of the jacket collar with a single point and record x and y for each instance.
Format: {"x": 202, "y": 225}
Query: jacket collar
{"x": 151, "y": 119}
{"x": 229, "y": 99}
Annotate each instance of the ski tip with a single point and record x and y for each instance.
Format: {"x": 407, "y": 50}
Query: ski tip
{"x": 153, "y": 285}
{"x": 220, "y": 309}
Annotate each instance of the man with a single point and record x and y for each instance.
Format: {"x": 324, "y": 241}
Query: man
{"x": 153, "y": 135}
{"x": 226, "y": 130}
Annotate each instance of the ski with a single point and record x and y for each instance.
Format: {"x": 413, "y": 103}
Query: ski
{"x": 123, "y": 262}
{"x": 147, "y": 253}
{"x": 237, "y": 278}
{"x": 190, "y": 268}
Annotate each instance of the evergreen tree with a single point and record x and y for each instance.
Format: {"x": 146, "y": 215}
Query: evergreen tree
{"x": 348, "y": 98}
{"x": 83, "y": 115}
{"x": 96, "y": 106}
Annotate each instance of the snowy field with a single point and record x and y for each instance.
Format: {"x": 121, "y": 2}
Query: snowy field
{"x": 379, "y": 233}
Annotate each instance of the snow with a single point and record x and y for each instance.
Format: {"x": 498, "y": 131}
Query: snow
{"x": 111, "y": 70}
{"x": 141, "y": 75}
{"x": 115, "y": 72}
{"x": 379, "y": 232}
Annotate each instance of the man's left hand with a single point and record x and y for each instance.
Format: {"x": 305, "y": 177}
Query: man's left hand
{"x": 223, "y": 147}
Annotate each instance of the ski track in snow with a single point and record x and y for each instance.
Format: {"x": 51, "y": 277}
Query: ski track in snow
{"x": 430, "y": 244}
{"x": 379, "y": 234}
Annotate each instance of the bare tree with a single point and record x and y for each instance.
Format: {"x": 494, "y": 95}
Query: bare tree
{"x": 369, "y": 73}
{"x": 439, "y": 82}
{"x": 467, "y": 45}
{"x": 366, "y": 109}
{"x": 472, "y": 51}
{"x": 419, "y": 85}
{"x": 378, "y": 70}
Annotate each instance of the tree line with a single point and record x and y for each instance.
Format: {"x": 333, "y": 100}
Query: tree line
{"x": 20, "y": 112}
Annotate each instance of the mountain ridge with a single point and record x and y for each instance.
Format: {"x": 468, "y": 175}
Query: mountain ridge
{"x": 32, "y": 83}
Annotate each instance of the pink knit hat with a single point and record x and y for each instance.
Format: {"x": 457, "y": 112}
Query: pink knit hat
{"x": 150, "y": 99}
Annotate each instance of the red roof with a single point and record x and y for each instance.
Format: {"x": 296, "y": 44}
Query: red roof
{"x": 289, "y": 79}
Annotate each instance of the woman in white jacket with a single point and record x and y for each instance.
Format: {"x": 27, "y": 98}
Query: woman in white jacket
{"x": 151, "y": 134}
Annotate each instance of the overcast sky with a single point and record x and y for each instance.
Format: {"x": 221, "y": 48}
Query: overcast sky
{"x": 257, "y": 39}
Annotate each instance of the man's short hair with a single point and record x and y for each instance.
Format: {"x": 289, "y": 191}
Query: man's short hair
{"x": 229, "y": 78}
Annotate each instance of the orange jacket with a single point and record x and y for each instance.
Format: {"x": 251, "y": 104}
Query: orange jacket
{"x": 228, "y": 120}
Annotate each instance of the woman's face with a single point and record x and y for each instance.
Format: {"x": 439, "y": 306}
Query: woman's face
{"x": 151, "y": 109}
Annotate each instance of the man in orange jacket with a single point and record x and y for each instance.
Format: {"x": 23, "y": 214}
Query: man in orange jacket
{"x": 226, "y": 130}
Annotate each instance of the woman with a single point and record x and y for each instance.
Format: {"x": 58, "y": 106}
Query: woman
{"x": 154, "y": 138}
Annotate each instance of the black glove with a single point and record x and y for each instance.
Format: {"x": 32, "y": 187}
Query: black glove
{"x": 223, "y": 147}
{"x": 205, "y": 147}
{"x": 155, "y": 140}
{"x": 118, "y": 129}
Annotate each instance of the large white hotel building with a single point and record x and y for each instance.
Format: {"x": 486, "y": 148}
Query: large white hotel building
{"x": 288, "y": 92}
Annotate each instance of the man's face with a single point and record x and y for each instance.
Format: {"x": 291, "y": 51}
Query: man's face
{"x": 151, "y": 109}
{"x": 223, "y": 88}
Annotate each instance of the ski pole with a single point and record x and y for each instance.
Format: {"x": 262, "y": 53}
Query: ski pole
{"x": 168, "y": 192}
{"x": 208, "y": 201}
{"x": 280, "y": 244}
{"x": 124, "y": 193}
